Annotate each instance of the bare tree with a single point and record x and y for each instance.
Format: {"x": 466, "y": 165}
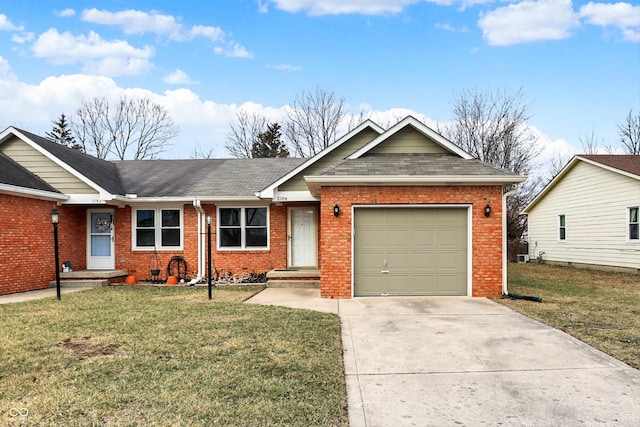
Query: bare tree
{"x": 131, "y": 128}
{"x": 591, "y": 144}
{"x": 245, "y": 130}
{"x": 630, "y": 133}
{"x": 555, "y": 165}
{"x": 493, "y": 128}
{"x": 202, "y": 153}
{"x": 313, "y": 121}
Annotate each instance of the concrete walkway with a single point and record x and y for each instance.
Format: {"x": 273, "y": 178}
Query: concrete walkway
{"x": 39, "y": 294}
{"x": 452, "y": 361}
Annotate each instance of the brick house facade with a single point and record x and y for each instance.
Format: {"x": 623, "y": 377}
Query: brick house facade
{"x": 282, "y": 215}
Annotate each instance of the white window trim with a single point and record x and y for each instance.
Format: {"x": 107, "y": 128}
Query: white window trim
{"x": 560, "y": 239}
{"x": 628, "y": 223}
{"x": 158, "y": 228}
{"x": 242, "y": 230}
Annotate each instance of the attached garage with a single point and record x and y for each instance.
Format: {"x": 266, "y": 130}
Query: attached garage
{"x": 418, "y": 250}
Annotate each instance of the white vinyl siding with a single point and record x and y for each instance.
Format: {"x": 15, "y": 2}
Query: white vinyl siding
{"x": 595, "y": 202}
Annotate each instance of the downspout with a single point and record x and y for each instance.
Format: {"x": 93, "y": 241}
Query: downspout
{"x": 504, "y": 238}
{"x": 201, "y": 217}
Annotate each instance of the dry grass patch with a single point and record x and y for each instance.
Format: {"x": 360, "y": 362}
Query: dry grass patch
{"x": 600, "y": 308}
{"x": 141, "y": 355}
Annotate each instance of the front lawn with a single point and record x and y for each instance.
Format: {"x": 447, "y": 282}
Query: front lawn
{"x": 167, "y": 356}
{"x": 599, "y": 308}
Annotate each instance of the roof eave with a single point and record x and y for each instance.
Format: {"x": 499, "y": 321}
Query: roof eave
{"x": 315, "y": 182}
{"x": 32, "y": 193}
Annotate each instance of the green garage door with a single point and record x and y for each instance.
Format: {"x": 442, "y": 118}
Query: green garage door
{"x": 410, "y": 251}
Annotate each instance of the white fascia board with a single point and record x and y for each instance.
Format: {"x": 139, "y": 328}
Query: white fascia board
{"x": 203, "y": 200}
{"x": 422, "y": 128}
{"x": 56, "y": 160}
{"x": 294, "y": 196}
{"x": 268, "y": 192}
{"x": 315, "y": 182}
{"x": 31, "y": 193}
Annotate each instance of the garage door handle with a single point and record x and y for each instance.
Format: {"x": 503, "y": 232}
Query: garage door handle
{"x": 384, "y": 271}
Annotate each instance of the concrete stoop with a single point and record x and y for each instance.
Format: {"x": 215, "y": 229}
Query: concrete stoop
{"x": 90, "y": 278}
{"x": 294, "y": 278}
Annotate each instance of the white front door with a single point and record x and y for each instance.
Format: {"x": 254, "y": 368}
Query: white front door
{"x": 100, "y": 239}
{"x": 303, "y": 238}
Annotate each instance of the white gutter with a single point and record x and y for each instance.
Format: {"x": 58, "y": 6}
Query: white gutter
{"x": 31, "y": 193}
{"x": 201, "y": 217}
{"x": 504, "y": 238}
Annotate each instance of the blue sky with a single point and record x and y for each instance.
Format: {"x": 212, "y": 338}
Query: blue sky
{"x": 577, "y": 62}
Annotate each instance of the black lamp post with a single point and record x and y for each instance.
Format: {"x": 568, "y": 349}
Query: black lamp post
{"x": 55, "y": 219}
{"x": 209, "y": 253}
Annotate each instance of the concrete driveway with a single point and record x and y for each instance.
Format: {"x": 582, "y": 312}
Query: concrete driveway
{"x": 452, "y": 361}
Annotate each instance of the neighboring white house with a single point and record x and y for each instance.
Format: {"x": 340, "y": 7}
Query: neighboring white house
{"x": 588, "y": 214}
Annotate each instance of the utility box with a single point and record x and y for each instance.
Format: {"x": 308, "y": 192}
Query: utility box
{"x": 522, "y": 258}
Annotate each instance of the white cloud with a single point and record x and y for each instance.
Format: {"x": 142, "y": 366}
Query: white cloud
{"x": 340, "y": 7}
{"x": 449, "y": 27}
{"x": 624, "y": 16}
{"x": 65, "y": 13}
{"x": 112, "y": 58}
{"x": 233, "y": 50}
{"x": 177, "y": 77}
{"x": 7, "y": 25}
{"x": 22, "y": 38}
{"x": 136, "y": 21}
{"x": 139, "y": 22}
{"x": 285, "y": 67}
{"x": 529, "y": 21}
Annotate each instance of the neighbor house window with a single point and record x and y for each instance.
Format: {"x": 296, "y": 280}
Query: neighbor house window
{"x": 562, "y": 227}
{"x": 633, "y": 223}
{"x": 157, "y": 228}
{"x": 242, "y": 228}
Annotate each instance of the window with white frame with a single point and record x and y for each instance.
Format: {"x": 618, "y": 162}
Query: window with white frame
{"x": 159, "y": 228}
{"x": 243, "y": 228}
{"x": 634, "y": 225}
{"x": 562, "y": 227}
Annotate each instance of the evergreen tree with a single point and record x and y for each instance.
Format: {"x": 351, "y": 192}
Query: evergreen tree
{"x": 269, "y": 143}
{"x": 62, "y": 134}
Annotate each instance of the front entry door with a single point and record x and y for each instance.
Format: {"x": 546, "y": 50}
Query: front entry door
{"x": 100, "y": 239}
{"x": 303, "y": 238}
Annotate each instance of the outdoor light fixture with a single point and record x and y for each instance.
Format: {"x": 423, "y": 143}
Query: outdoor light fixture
{"x": 55, "y": 219}
{"x": 336, "y": 210}
{"x": 209, "y": 254}
{"x": 487, "y": 210}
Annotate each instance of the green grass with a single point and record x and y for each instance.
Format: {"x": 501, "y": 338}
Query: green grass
{"x": 597, "y": 307}
{"x": 167, "y": 356}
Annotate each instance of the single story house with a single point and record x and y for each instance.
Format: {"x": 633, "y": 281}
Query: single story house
{"x": 588, "y": 214}
{"x": 396, "y": 212}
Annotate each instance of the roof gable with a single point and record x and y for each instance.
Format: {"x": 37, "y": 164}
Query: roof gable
{"x": 624, "y": 164}
{"x": 101, "y": 175}
{"x": 404, "y": 137}
{"x": 366, "y": 131}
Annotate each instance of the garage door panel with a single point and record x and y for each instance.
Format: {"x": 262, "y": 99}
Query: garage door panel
{"x": 425, "y": 251}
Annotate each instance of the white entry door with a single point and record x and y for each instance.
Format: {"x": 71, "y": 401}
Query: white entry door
{"x": 100, "y": 240}
{"x": 303, "y": 238}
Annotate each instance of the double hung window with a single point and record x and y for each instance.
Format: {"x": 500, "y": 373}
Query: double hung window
{"x": 157, "y": 228}
{"x": 243, "y": 228}
{"x": 634, "y": 233}
{"x": 562, "y": 228}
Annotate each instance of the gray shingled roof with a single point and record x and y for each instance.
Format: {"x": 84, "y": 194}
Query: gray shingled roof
{"x": 101, "y": 172}
{"x": 12, "y": 173}
{"x": 421, "y": 164}
{"x": 202, "y": 177}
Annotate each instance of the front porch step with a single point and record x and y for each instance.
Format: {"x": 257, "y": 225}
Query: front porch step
{"x": 94, "y": 274}
{"x": 305, "y": 284}
{"x": 81, "y": 283}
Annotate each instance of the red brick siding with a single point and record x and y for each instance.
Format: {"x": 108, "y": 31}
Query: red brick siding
{"x": 236, "y": 261}
{"x": 336, "y": 246}
{"x": 26, "y": 243}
